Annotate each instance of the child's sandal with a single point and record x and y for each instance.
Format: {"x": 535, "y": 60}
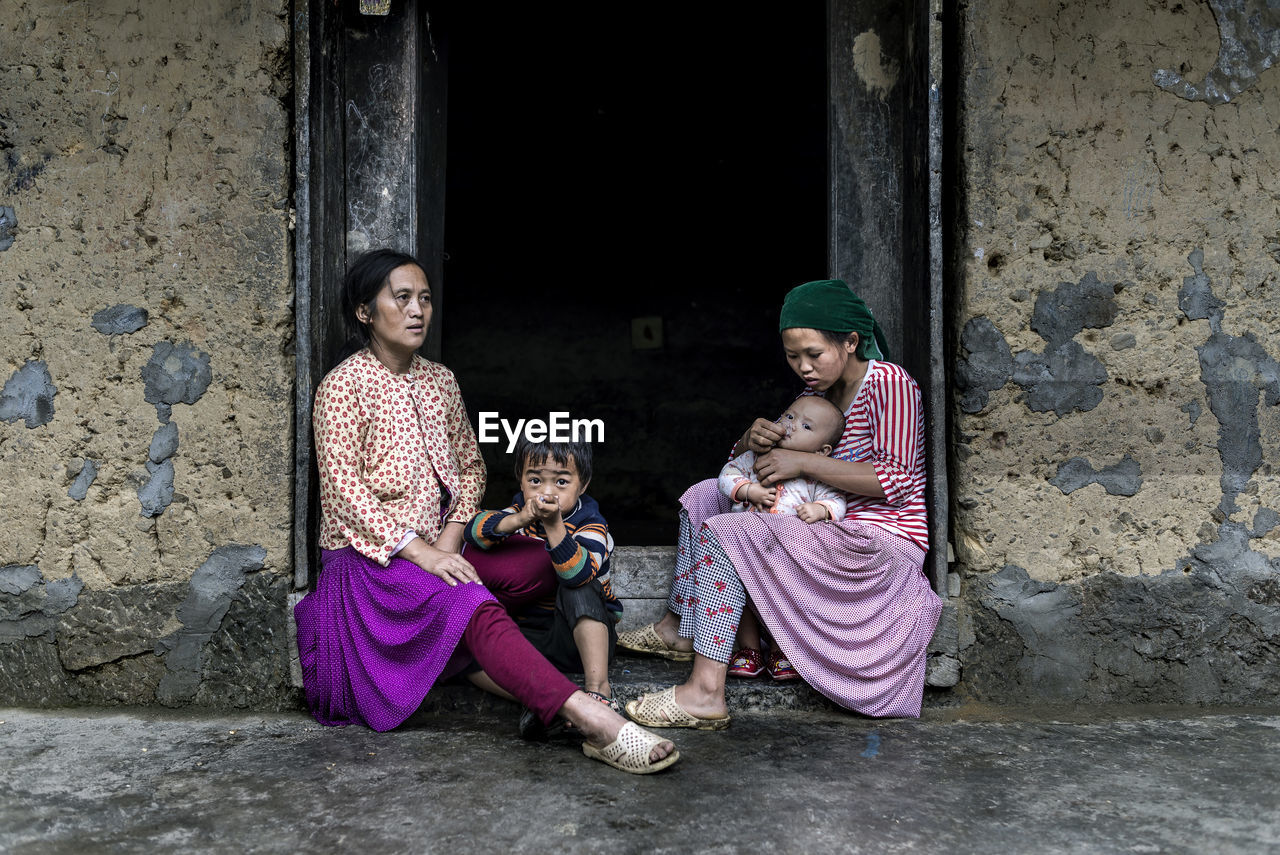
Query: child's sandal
{"x": 746, "y": 662}
{"x": 780, "y": 667}
{"x": 611, "y": 703}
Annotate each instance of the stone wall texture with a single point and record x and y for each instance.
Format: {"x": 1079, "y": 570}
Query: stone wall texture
{"x": 1117, "y": 393}
{"x": 145, "y": 352}
{"x": 1114, "y": 301}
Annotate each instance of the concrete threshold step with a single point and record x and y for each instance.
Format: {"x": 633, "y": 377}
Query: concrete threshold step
{"x": 634, "y": 676}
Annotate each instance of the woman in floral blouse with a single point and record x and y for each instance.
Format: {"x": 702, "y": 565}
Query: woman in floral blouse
{"x": 396, "y": 606}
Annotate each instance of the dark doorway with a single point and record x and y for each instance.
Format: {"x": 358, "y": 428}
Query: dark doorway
{"x": 629, "y": 194}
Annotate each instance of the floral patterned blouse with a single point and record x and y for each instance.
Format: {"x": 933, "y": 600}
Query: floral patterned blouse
{"x": 396, "y": 454}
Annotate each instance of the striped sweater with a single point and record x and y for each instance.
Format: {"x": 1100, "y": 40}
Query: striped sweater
{"x": 581, "y": 557}
{"x": 884, "y": 426}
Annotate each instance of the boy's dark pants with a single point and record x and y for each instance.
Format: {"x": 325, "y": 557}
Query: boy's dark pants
{"x": 519, "y": 574}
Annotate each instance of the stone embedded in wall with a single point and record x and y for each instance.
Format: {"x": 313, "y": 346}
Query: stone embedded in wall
{"x": 8, "y": 222}
{"x": 31, "y": 674}
{"x": 1249, "y": 35}
{"x": 1063, "y": 380}
{"x": 943, "y": 668}
{"x": 986, "y": 367}
{"x": 85, "y": 473}
{"x": 157, "y": 493}
{"x": 209, "y": 597}
{"x": 28, "y": 395}
{"x": 25, "y": 169}
{"x": 1060, "y": 314}
{"x": 29, "y": 605}
{"x": 1122, "y": 479}
{"x": 175, "y": 374}
{"x": 246, "y": 663}
{"x": 119, "y": 320}
{"x": 123, "y": 622}
{"x": 164, "y": 444}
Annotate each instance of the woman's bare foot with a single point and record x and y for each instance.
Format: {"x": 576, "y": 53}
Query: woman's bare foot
{"x": 600, "y": 725}
{"x": 702, "y": 695}
{"x": 668, "y": 630}
{"x": 701, "y": 703}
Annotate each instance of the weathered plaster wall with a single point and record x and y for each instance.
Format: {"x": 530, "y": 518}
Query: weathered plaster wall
{"x": 1118, "y": 393}
{"x": 145, "y": 351}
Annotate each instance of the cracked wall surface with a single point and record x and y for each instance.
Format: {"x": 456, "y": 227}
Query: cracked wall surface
{"x": 1117, "y": 417}
{"x": 146, "y": 352}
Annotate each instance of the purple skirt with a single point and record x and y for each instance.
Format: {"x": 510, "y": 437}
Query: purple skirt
{"x": 373, "y": 640}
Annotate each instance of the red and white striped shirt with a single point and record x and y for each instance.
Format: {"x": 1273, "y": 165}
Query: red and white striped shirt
{"x": 885, "y": 426}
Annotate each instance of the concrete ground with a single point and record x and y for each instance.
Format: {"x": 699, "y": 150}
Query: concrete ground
{"x": 964, "y": 779}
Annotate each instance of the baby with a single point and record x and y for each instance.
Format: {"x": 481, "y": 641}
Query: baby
{"x": 811, "y": 424}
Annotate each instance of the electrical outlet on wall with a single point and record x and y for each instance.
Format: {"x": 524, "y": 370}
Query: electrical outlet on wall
{"x": 646, "y": 333}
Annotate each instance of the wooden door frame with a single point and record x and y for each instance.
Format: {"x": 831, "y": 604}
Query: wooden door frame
{"x": 367, "y": 148}
{"x": 884, "y": 215}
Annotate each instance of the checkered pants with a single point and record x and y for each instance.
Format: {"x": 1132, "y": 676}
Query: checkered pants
{"x": 706, "y": 592}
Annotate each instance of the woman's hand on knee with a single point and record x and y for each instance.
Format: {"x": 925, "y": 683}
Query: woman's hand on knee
{"x": 449, "y": 566}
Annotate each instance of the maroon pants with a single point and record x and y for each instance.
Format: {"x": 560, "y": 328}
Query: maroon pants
{"x": 523, "y": 576}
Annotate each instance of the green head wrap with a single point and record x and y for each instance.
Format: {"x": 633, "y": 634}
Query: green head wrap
{"x": 828, "y": 304}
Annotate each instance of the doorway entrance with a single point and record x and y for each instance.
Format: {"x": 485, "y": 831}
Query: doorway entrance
{"x": 610, "y": 204}
{"x": 628, "y": 198}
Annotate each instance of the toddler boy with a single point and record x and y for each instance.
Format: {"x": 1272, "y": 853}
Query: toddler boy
{"x": 575, "y": 628}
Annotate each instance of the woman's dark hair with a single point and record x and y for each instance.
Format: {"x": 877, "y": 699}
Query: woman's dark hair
{"x": 363, "y": 282}
{"x": 839, "y": 338}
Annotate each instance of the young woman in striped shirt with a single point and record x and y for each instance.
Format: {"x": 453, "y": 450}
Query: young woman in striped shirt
{"x": 847, "y": 604}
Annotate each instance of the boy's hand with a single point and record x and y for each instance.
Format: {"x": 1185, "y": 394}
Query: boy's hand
{"x": 544, "y": 509}
{"x": 812, "y": 512}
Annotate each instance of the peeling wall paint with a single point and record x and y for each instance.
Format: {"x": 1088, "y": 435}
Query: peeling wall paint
{"x": 8, "y": 223}
{"x": 1249, "y": 35}
{"x": 1115, "y": 505}
{"x": 147, "y": 323}
{"x": 28, "y": 395}
{"x": 879, "y": 73}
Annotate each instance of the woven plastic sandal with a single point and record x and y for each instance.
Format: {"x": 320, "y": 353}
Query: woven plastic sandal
{"x": 630, "y": 751}
{"x": 647, "y": 640}
{"x": 746, "y": 662}
{"x": 662, "y": 710}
